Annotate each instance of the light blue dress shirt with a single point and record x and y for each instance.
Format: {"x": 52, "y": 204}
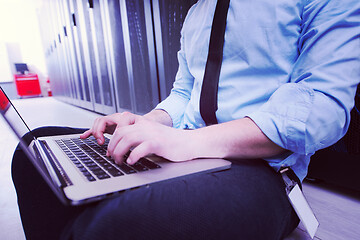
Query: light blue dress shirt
{"x": 292, "y": 66}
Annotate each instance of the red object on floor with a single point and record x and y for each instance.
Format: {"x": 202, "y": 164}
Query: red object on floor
{"x": 49, "y": 88}
{"x": 27, "y": 85}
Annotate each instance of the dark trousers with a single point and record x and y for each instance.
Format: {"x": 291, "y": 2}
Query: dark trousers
{"x": 246, "y": 202}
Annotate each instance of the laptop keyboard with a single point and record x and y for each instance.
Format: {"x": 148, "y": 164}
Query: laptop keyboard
{"x": 90, "y": 158}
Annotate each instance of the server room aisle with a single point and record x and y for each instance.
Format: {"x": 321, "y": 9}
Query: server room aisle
{"x": 337, "y": 209}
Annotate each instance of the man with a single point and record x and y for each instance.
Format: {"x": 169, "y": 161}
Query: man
{"x": 287, "y": 83}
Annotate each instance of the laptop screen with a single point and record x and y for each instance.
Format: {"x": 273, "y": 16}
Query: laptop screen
{"x": 4, "y": 102}
{"x": 11, "y": 115}
{"x": 20, "y": 128}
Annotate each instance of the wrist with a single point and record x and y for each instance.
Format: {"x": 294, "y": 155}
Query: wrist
{"x": 160, "y": 116}
{"x": 205, "y": 142}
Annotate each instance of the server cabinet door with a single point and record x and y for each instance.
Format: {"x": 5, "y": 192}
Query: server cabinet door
{"x": 78, "y": 93}
{"x": 58, "y": 73}
{"x": 89, "y": 61}
{"x": 115, "y": 40}
{"x": 169, "y": 16}
{"x": 102, "y": 85}
{"x": 84, "y": 80}
{"x": 64, "y": 57}
{"x": 140, "y": 54}
{"x": 64, "y": 30}
{"x": 70, "y": 21}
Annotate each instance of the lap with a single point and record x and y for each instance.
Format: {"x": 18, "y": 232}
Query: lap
{"x": 247, "y": 201}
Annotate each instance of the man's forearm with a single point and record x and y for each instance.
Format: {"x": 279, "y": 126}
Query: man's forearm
{"x": 240, "y": 138}
{"x": 235, "y": 139}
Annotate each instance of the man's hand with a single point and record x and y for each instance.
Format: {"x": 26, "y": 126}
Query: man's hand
{"x": 144, "y": 135}
{"x": 108, "y": 124}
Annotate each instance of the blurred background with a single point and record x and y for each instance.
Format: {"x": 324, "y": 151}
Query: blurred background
{"x": 20, "y": 41}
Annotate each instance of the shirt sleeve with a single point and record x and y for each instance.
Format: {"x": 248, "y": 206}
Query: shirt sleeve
{"x": 175, "y": 104}
{"x": 312, "y": 111}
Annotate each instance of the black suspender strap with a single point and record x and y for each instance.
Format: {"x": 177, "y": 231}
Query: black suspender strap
{"x": 209, "y": 90}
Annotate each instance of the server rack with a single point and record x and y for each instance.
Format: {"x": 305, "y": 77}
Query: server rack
{"x": 82, "y": 54}
{"x": 113, "y": 55}
{"x": 69, "y": 90}
{"x": 103, "y": 91}
{"x": 73, "y": 73}
{"x": 58, "y": 55}
{"x": 119, "y": 69}
{"x": 169, "y": 16}
{"x": 139, "y": 50}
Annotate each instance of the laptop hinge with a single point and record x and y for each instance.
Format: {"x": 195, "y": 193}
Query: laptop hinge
{"x": 55, "y": 170}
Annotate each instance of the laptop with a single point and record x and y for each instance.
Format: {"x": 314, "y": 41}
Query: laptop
{"x": 78, "y": 171}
